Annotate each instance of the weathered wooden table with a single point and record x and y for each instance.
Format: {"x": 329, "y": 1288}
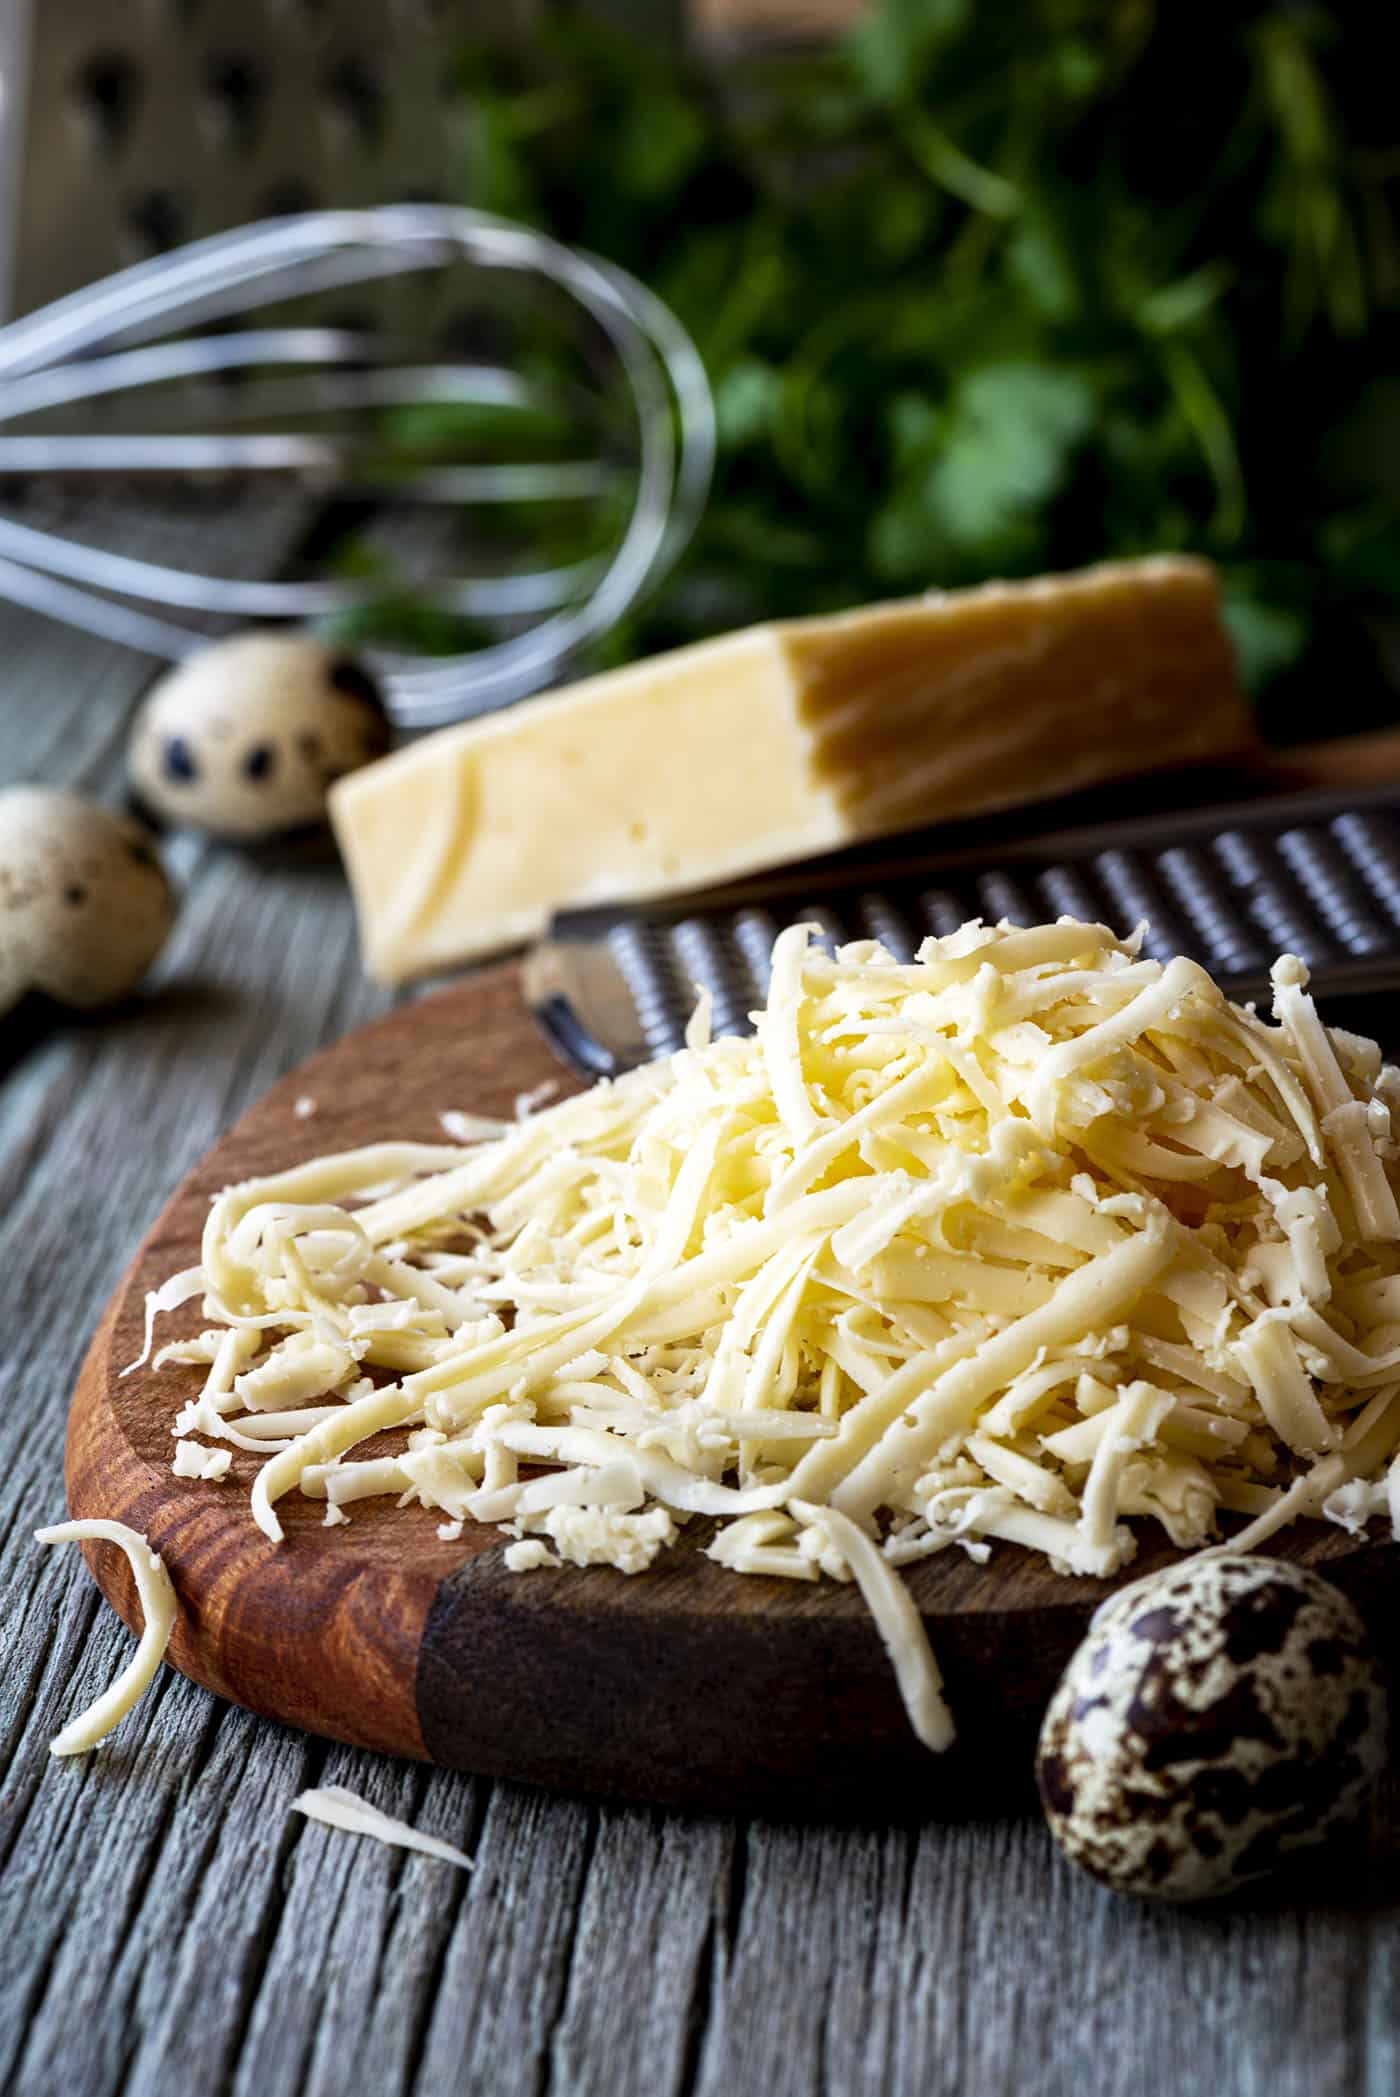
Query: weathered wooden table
{"x": 168, "y": 1928}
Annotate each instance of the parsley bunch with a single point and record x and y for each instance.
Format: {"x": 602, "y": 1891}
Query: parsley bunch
{"x": 990, "y": 290}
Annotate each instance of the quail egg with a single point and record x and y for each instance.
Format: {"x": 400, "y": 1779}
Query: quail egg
{"x": 244, "y": 738}
{"x": 1217, "y": 1716}
{"x": 84, "y": 901}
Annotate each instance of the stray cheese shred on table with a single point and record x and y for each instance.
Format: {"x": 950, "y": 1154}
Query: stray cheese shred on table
{"x": 335, "y": 1807}
{"x": 1015, "y": 1242}
{"x": 158, "y": 1609}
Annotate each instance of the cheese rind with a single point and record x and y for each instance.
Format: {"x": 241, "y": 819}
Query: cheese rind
{"x": 778, "y": 743}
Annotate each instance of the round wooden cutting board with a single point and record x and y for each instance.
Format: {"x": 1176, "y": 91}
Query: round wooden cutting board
{"x": 687, "y": 1686}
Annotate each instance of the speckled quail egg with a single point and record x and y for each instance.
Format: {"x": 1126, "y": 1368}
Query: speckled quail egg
{"x": 84, "y": 901}
{"x": 244, "y": 738}
{"x": 1217, "y": 1716}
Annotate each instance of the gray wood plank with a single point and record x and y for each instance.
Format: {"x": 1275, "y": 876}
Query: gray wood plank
{"x": 412, "y": 1905}
{"x": 505, "y": 1976}
{"x": 98, "y": 1120}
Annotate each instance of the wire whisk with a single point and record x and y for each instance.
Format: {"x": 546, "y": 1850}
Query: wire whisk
{"x": 642, "y": 400}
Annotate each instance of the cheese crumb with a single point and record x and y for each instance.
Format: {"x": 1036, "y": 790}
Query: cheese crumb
{"x": 602, "y": 1536}
{"x": 192, "y": 1460}
{"x": 528, "y": 1555}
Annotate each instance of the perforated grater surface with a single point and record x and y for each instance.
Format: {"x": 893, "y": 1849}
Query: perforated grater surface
{"x": 129, "y": 126}
{"x": 1315, "y": 875}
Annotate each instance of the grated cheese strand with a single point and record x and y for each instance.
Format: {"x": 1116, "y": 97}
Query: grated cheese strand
{"x": 158, "y": 1613}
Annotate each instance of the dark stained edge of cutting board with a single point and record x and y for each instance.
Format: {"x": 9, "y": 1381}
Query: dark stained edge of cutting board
{"x": 688, "y": 1686}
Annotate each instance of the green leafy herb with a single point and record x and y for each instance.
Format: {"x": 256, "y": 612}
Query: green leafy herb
{"x": 991, "y": 290}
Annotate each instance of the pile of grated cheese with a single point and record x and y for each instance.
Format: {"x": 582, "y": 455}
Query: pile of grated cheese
{"x": 1014, "y": 1242}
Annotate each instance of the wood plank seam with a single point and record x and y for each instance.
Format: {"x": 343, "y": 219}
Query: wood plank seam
{"x": 274, "y": 1916}
{"x": 458, "y": 1898}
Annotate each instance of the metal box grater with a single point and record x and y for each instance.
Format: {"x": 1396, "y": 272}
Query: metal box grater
{"x": 1316, "y": 875}
{"x": 129, "y": 126}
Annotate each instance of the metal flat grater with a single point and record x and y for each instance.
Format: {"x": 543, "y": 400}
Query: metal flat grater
{"x": 1314, "y": 874}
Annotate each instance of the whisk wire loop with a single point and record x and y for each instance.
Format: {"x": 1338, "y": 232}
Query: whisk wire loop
{"x": 112, "y": 341}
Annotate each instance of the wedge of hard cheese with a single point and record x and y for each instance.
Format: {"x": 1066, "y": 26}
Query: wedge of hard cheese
{"x": 780, "y": 742}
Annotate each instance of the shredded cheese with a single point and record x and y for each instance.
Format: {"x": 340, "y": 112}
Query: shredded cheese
{"x": 899, "y": 1622}
{"x": 158, "y": 1612}
{"x": 193, "y": 1461}
{"x": 336, "y": 1807}
{"x": 1031, "y": 1239}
